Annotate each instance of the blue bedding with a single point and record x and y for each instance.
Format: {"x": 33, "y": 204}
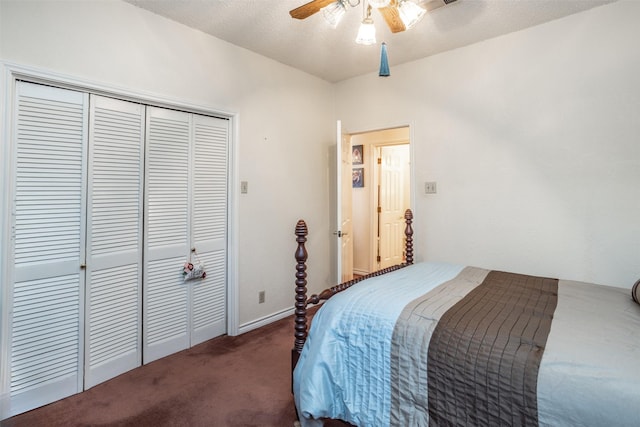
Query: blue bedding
{"x": 351, "y": 352}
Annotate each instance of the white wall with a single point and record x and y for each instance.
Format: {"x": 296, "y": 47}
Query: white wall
{"x": 285, "y": 119}
{"x": 533, "y": 139}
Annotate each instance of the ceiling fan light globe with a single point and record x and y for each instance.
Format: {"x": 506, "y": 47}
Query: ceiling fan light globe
{"x": 366, "y": 33}
{"x": 410, "y": 13}
{"x": 379, "y": 3}
{"x": 334, "y": 12}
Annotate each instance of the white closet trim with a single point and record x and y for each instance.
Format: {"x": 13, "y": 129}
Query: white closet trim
{"x": 11, "y": 72}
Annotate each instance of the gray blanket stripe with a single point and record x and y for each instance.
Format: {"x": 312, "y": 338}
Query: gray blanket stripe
{"x": 410, "y": 343}
{"x": 485, "y": 352}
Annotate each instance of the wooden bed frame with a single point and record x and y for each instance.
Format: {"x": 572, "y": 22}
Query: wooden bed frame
{"x": 302, "y": 302}
{"x": 493, "y": 381}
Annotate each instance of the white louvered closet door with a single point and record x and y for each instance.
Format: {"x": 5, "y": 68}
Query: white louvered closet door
{"x": 114, "y": 239}
{"x": 209, "y": 226}
{"x": 186, "y": 207}
{"x": 166, "y": 305}
{"x": 108, "y": 198}
{"x": 48, "y": 245}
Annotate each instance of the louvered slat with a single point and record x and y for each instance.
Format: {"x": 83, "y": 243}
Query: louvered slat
{"x": 113, "y": 327}
{"x": 116, "y": 177}
{"x": 48, "y": 191}
{"x": 209, "y": 296}
{"x": 166, "y": 308}
{"x": 210, "y": 181}
{"x": 167, "y": 186}
{"x": 45, "y": 341}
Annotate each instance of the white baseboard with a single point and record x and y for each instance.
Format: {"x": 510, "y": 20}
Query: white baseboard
{"x": 360, "y": 272}
{"x": 264, "y": 321}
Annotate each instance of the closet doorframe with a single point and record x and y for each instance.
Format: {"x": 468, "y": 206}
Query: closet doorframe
{"x": 10, "y": 74}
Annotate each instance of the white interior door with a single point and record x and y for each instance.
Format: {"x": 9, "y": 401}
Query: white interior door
{"x": 166, "y": 303}
{"x": 344, "y": 233}
{"x": 47, "y": 246}
{"x": 114, "y": 239}
{"x": 392, "y": 203}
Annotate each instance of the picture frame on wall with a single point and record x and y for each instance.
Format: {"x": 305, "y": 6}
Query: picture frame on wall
{"x": 357, "y": 178}
{"x": 357, "y": 154}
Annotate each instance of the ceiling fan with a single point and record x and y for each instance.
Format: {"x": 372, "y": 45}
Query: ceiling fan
{"x": 391, "y": 10}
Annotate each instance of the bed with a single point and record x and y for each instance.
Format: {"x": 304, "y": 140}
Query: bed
{"x": 443, "y": 344}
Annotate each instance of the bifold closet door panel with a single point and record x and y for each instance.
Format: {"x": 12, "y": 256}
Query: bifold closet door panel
{"x": 48, "y": 223}
{"x": 166, "y": 307}
{"x": 114, "y": 239}
{"x": 209, "y": 226}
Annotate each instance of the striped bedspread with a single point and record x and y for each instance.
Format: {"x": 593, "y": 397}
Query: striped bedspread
{"x": 483, "y": 355}
{"x": 381, "y": 353}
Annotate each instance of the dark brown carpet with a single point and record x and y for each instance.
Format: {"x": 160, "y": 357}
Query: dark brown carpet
{"x": 227, "y": 381}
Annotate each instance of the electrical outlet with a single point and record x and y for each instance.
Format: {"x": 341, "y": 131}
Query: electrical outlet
{"x": 244, "y": 187}
{"x": 260, "y": 297}
{"x": 430, "y": 187}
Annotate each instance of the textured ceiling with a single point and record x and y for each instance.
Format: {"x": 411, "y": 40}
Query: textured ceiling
{"x": 265, "y": 27}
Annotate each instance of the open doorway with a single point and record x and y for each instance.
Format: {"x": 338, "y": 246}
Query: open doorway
{"x": 380, "y": 194}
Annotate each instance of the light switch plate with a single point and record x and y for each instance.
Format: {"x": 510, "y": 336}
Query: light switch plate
{"x": 244, "y": 187}
{"x": 430, "y": 187}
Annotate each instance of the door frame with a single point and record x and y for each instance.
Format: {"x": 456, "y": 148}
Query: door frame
{"x": 10, "y": 74}
{"x": 372, "y": 208}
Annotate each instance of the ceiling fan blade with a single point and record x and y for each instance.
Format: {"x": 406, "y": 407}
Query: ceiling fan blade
{"x": 430, "y": 5}
{"x": 392, "y": 17}
{"x": 308, "y": 9}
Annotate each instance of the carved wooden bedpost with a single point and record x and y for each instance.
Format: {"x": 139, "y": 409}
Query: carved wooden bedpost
{"x": 300, "y": 333}
{"x": 408, "y": 232}
{"x": 300, "y": 313}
